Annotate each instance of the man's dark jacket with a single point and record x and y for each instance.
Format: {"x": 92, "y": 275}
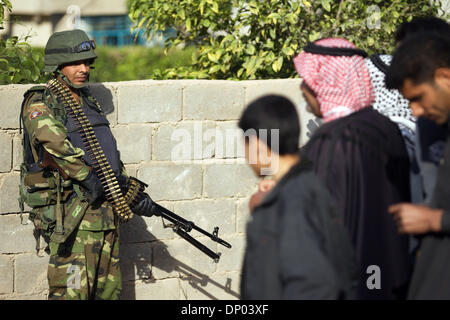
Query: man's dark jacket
{"x": 363, "y": 161}
{"x": 431, "y": 278}
{"x": 296, "y": 246}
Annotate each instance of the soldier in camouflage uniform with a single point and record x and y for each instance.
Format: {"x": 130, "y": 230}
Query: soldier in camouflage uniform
{"x": 68, "y": 204}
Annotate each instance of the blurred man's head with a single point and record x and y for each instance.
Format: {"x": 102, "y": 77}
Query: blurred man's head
{"x": 420, "y": 70}
{"x": 312, "y": 104}
{"x": 420, "y": 25}
{"x": 271, "y": 129}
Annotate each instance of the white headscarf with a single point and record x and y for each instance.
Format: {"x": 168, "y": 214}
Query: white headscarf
{"x": 389, "y": 102}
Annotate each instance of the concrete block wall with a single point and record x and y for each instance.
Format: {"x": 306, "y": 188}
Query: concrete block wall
{"x": 172, "y": 135}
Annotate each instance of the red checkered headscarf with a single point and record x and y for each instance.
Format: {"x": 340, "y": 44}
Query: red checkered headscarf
{"x": 341, "y": 83}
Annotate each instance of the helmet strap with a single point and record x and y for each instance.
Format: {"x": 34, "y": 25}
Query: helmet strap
{"x": 69, "y": 83}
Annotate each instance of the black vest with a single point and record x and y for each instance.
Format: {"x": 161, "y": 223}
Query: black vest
{"x": 102, "y": 131}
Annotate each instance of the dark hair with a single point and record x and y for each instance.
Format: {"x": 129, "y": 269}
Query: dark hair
{"x": 419, "y": 25}
{"x": 417, "y": 59}
{"x": 273, "y": 112}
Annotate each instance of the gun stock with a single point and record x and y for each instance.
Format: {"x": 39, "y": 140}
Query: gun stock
{"x": 49, "y": 162}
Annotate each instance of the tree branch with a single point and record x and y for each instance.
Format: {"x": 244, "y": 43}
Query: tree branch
{"x": 337, "y": 17}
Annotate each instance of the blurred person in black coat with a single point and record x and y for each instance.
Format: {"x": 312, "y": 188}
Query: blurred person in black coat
{"x": 297, "y": 247}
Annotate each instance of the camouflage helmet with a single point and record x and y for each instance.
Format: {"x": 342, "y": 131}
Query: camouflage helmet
{"x": 67, "y": 46}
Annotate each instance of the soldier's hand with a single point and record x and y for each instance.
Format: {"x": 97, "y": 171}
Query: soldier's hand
{"x": 93, "y": 187}
{"x": 145, "y": 206}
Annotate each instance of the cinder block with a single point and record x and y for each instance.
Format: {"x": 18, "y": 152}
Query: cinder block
{"x": 36, "y": 296}
{"x": 212, "y": 100}
{"x": 158, "y": 228}
{"x": 149, "y": 101}
{"x": 16, "y": 234}
{"x": 289, "y": 88}
{"x": 172, "y": 181}
{"x": 133, "y": 142}
{"x": 184, "y": 141}
{"x": 136, "y": 261}
{"x": 11, "y": 97}
{"x": 31, "y": 273}
{"x": 166, "y": 289}
{"x": 6, "y": 154}
{"x": 232, "y": 259}
{"x": 223, "y": 286}
{"x": 229, "y": 180}
{"x": 131, "y": 169}
{"x": 9, "y": 193}
{"x": 17, "y": 151}
{"x": 208, "y": 214}
{"x": 242, "y": 215}
{"x": 229, "y": 141}
{"x": 179, "y": 258}
{"x": 6, "y": 274}
{"x": 144, "y": 229}
{"x": 105, "y": 94}
{"x": 165, "y": 263}
{"x": 308, "y": 123}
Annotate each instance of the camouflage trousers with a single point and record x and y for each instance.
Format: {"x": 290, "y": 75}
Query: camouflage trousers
{"x": 85, "y": 267}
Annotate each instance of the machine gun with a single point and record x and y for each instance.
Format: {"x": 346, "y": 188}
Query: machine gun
{"x": 182, "y": 227}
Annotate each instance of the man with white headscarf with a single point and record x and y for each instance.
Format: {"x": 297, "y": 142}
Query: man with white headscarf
{"x": 392, "y": 104}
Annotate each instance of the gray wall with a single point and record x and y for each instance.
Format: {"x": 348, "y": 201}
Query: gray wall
{"x": 210, "y": 186}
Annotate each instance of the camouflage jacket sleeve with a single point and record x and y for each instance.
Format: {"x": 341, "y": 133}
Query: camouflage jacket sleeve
{"x": 44, "y": 129}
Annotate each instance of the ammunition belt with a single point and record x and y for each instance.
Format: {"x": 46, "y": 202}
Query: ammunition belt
{"x": 103, "y": 169}
{"x": 134, "y": 192}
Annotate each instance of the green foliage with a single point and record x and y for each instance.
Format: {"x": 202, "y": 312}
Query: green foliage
{"x": 19, "y": 63}
{"x": 4, "y": 5}
{"x": 131, "y": 63}
{"x": 251, "y": 39}
{"x": 135, "y": 63}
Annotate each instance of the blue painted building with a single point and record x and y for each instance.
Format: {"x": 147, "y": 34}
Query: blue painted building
{"x": 106, "y": 21}
{"x": 112, "y": 30}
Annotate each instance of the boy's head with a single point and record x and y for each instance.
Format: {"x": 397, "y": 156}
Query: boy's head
{"x": 420, "y": 70}
{"x": 271, "y": 129}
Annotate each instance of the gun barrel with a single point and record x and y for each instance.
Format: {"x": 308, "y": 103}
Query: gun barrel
{"x": 183, "y": 226}
{"x": 198, "y": 245}
{"x": 188, "y": 225}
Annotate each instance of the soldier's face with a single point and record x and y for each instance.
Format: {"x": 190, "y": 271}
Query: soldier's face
{"x": 77, "y": 72}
